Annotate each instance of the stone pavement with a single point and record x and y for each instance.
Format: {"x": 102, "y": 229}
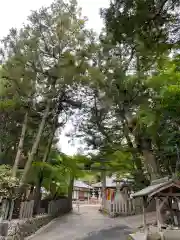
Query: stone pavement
{"x": 87, "y": 224}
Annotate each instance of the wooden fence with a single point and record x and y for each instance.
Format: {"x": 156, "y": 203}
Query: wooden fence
{"x": 126, "y": 207}
{"x": 26, "y": 209}
{"x": 7, "y": 209}
{"x": 58, "y": 206}
{"x": 22, "y": 210}
{"x": 54, "y": 207}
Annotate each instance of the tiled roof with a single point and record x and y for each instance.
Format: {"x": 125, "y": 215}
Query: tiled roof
{"x": 81, "y": 184}
{"x": 109, "y": 183}
{"x": 112, "y": 182}
{"x": 155, "y": 187}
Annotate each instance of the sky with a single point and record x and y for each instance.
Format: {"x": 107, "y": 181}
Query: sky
{"x": 13, "y": 13}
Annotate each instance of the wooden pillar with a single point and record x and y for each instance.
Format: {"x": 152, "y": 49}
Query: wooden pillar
{"x": 78, "y": 194}
{"x": 4, "y": 229}
{"x": 99, "y": 195}
{"x": 103, "y": 181}
{"x": 158, "y": 214}
{"x": 144, "y": 213}
{"x": 88, "y": 196}
{"x": 178, "y": 207}
{"x": 114, "y": 208}
{"x": 93, "y": 193}
{"x": 125, "y": 202}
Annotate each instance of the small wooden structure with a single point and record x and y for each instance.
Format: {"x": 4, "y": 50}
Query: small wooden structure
{"x": 110, "y": 185}
{"x": 118, "y": 201}
{"x": 166, "y": 192}
{"x": 81, "y": 191}
{"x": 122, "y": 203}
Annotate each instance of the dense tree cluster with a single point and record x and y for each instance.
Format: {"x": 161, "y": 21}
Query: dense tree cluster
{"x": 134, "y": 117}
{"x": 119, "y": 89}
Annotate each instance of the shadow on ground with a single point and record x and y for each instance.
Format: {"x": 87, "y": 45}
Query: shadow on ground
{"x": 115, "y": 233}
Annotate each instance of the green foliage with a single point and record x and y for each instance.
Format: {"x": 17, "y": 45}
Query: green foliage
{"x": 125, "y": 87}
{"x": 56, "y": 173}
{"x": 161, "y": 118}
{"x": 44, "y": 62}
{"x": 45, "y": 65}
{"x": 143, "y": 27}
{"x": 53, "y": 175}
{"x": 135, "y": 94}
{"x": 8, "y": 184}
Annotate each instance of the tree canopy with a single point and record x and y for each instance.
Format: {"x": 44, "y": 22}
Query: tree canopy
{"x": 120, "y": 91}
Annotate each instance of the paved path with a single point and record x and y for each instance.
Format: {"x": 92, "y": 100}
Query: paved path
{"x": 88, "y": 224}
{"x": 120, "y": 232}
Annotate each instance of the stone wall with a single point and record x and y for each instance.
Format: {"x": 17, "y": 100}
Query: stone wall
{"x": 22, "y": 229}
{"x": 19, "y": 229}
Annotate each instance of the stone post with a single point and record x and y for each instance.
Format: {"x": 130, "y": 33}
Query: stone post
{"x": 118, "y": 192}
{"x": 103, "y": 180}
{"x": 117, "y": 199}
{"x": 4, "y": 229}
{"x": 99, "y": 194}
{"x": 93, "y": 193}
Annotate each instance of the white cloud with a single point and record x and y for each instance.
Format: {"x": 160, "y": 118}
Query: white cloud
{"x": 91, "y": 9}
{"x": 14, "y": 12}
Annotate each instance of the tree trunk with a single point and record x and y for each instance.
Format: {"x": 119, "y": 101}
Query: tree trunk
{"x": 145, "y": 143}
{"x": 149, "y": 158}
{"x": 48, "y": 149}
{"x": 139, "y": 170}
{"x": 54, "y": 127}
{"x": 103, "y": 180}
{"x": 38, "y": 195}
{"x": 36, "y": 143}
{"x": 45, "y": 158}
{"x": 137, "y": 161}
{"x": 20, "y": 146}
{"x": 144, "y": 146}
{"x": 70, "y": 193}
{"x": 150, "y": 164}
